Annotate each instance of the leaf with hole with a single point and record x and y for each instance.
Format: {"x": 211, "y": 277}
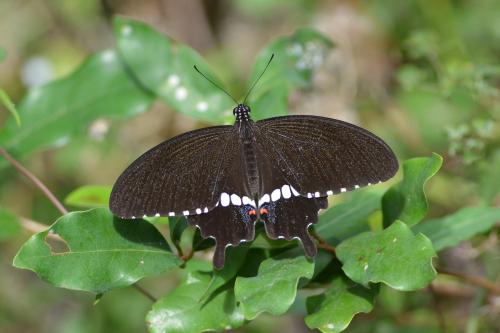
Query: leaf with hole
{"x": 406, "y": 201}
{"x": 394, "y": 256}
{"x": 332, "y": 311}
{"x": 95, "y": 251}
{"x": 274, "y": 288}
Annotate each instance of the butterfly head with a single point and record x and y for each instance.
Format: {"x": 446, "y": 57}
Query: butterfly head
{"x": 242, "y": 112}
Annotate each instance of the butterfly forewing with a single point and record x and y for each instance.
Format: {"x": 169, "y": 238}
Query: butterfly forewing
{"x": 181, "y": 176}
{"x": 322, "y": 156}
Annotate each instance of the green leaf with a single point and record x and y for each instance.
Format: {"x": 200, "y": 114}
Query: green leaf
{"x": 406, "y": 200}
{"x": 89, "y": 196}
{"x": 166, "y": 68}
{"x": 98, "y": 252}
{"x": 10, "y": 106}
{"x": 274, "y": 288}
{"x": 332, "y": 311}
{"x": 348, "y": 218}
{"x": 9, "y": 224}
{"x": 176, "y": 226}
{"x": 53, "y": 113}
{"x": 296, "y": 58}
{"x": 452, "y": 229}
{"x": 394, "y": 256}
{"x": 181, "y": 310}
{"x": 235, "y": 257}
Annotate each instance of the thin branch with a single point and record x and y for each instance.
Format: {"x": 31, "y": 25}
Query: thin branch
{"x": 36, "y": 227}
{"x": 474, "y": 280}
{"x": 439, "y": 309}
{"x": 21, "y": 169}
{"x": 144, "y": 292}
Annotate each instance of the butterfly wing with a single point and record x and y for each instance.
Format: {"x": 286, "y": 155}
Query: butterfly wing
{"x": 181, "y": 176}
{"x": 290, "y": 219}
{"x": 228, "y": 225}
{"x": 321, "y": 156}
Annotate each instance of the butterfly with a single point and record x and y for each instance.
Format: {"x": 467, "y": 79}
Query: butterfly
{"x": 279, "y": 171}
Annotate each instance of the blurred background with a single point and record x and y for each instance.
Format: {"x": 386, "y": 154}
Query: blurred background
{"x": 424, "y": 75}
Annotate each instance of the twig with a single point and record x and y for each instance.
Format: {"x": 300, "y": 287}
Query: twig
{"x": 34, "y": 180}
{"x": 144, "y": 292}
{"x": 475, "y": 280}
{"x": 36, "y": 227}
{"x": 439, "y": 309}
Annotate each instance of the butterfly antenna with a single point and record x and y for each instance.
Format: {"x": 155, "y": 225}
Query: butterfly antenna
{"x": 215, "y": 84}
{"x": 257, "y": 80}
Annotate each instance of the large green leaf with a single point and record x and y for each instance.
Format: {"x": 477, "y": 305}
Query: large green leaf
{"x": 89, "y": 196}
{"x": 333, "y": 311}
{"x": 406, "y": 200}
{"x": 274, "y": 288}
{"x": 394, "y": 256}
{"x": 455, "y": 228}
{"x": 181, "y": 310}
{"x": 296, "y": 58}
{"x": 9, "y": 224}
{"x": 100, "y": 252}
{"x": 166, "y": 68}
{"x": 348, "y": 218}
{"x": 51, "y": 114}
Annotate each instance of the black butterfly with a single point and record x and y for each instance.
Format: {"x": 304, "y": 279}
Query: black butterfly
{"x": 277, "y": 170}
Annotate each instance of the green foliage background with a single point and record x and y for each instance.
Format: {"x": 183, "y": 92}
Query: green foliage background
{"x": 85, "y": 87}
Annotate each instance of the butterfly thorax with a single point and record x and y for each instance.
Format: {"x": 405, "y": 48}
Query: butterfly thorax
{"x": 249, "y": 156}
{"x": 242, "y": 113}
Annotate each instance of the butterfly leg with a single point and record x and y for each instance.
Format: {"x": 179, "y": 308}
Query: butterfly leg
{"x": 229, "y": 225}
{"x": 291, "y": 218}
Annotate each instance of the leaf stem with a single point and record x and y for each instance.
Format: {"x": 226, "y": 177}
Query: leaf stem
{"x": 323, "y": 244}
{"x": 474, "y": 280}
{"x": 144, "y": 292}
{"x": 37, "y": 182}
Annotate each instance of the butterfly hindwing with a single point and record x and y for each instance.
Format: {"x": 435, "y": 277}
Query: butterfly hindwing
{"x": 290, "y": 219}
{"x": 228, "y": 225}
{"x": 322, "y": 156}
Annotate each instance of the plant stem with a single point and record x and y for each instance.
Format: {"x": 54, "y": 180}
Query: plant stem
{"x": 439, "y": 309}
{"x": 322, "y": 244}
{"x": 144, "y": 292}
{"x": 25, "y": 172}
{"x": 36, "y": 227}
{"x": 474, "y": 280}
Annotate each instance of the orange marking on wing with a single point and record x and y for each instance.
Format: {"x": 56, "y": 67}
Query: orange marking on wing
{"x": 252, "y": 212}
{"x": 263, "y": 211}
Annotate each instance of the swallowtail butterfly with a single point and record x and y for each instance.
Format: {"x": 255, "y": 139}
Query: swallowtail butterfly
{"x": 279, "y": 171}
